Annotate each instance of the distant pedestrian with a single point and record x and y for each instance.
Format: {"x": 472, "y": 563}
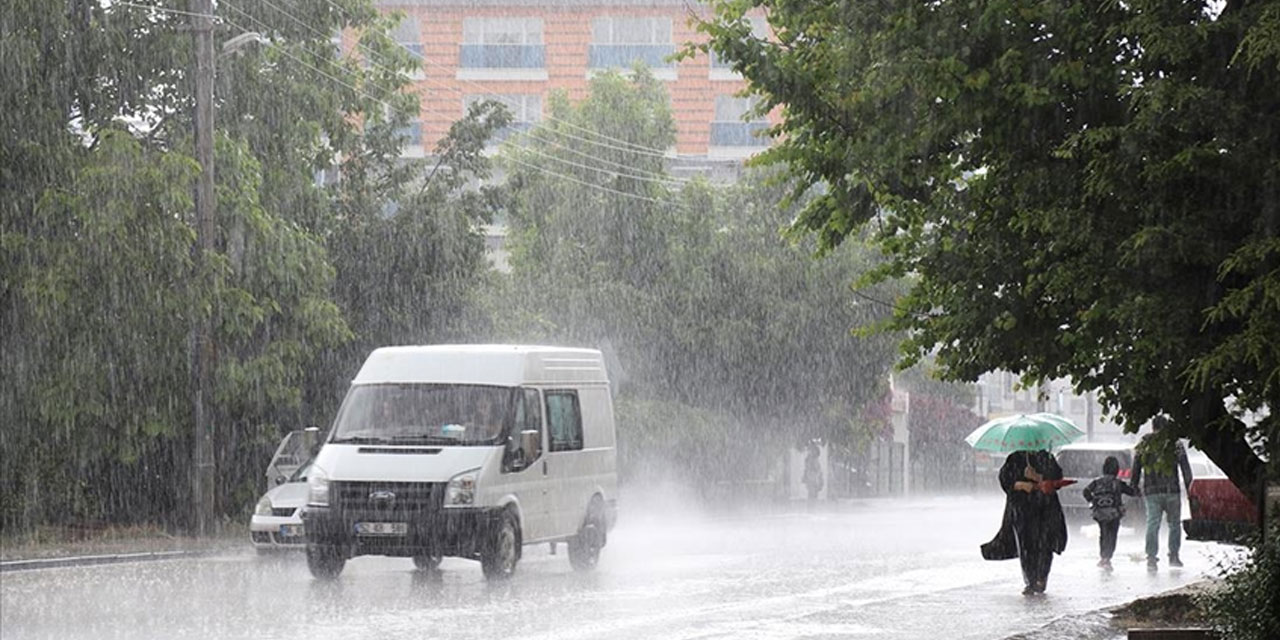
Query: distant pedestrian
{"x": 812, "y": 477}
{"x": 1160, "y": 490}
{"x": 1105, "y": 496}
{"x": 1033, "y": 528}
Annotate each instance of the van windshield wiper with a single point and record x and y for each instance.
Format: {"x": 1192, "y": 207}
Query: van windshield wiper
{"x": 361, "y": 440}
{"x": 425, "y": 438}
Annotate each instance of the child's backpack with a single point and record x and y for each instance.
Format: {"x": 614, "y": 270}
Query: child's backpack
{"x": 1107, "y": 504}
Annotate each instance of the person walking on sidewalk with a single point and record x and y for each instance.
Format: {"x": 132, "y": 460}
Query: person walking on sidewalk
{"x": 1105, "y": 496}
{"x": 1033, "y": 527}
{"x": 812, "y": 476}
{"x": 1160, "y": 489}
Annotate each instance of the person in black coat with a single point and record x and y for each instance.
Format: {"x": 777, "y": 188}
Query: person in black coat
{"x": 1033, "y": 528}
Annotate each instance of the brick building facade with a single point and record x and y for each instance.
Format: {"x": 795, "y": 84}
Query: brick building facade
{"x": 518, "y": 52}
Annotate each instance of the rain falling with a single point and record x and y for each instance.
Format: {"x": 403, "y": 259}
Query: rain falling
{"x": 639, "y": 319}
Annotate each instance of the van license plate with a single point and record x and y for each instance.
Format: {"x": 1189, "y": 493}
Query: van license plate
{"x": 382, "y": 528}
{"x": 292, "y": 531}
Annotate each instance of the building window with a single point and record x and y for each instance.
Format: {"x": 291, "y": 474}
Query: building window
{"x": 502, "y": 43}
{"x": 525, "y": 108}
{"x": 623, "y": 41}
{"x": 730, "y": 130}
{"x": 410, "y": 134}
{"x": 406, "y": 35}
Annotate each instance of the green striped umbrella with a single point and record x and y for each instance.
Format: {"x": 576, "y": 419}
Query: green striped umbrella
{"x": 1024, "y": 432}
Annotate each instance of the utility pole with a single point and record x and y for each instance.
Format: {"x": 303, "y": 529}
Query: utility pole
{"x": 1088, "y": 416}
{"x": 202, "y": 473}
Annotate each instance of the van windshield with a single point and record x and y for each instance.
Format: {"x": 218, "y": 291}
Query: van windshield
{"x": 445, "y": 414}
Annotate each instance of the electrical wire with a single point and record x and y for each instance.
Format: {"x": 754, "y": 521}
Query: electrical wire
{"x": 518, "y": 161}
{"x": 162, "y": 9}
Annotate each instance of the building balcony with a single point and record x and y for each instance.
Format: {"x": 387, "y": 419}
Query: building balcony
{"x": 502, "y": 62}
{"x": 502, "y": 56}
{"x": 624, "y": 56}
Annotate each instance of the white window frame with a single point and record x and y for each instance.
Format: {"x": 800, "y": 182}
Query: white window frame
{"x": 475, "y": 30}
{"x": 611, "y": 22}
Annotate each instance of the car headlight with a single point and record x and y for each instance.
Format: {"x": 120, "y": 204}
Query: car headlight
{"x": 461, "y": 491}
{"x": 263, "y": 508}
{"x": 317, "y": 487}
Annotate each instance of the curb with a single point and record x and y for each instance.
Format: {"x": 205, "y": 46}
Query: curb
{"x": 35, "y": 564}
{"x": 1101, "y": 623}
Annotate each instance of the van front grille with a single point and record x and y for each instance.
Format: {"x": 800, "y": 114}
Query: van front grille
{"x": 391, "y": 497}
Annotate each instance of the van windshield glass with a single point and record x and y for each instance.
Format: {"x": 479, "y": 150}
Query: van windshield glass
{"x": 446, "y": 414}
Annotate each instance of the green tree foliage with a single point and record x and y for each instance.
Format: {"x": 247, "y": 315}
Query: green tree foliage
{"x": 412, "y": 273}
{"x": 1086, "y": 190}
{"x": 1246, "y": 604}
{"x": 97, "y": 290}
{"x": 735, "y": 344}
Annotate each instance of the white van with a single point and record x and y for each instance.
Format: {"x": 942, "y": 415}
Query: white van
{"x": 469, "y": 451}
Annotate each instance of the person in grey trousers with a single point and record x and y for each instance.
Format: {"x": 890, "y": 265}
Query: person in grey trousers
{"x": 1162, "y": 493}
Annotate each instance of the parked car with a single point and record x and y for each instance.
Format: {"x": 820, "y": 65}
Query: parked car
{"x": 1082, "y": 462}
{"x": 1219, "y": 510}
{"x": 277, "y": 518}
{"x": 276, "y": 524}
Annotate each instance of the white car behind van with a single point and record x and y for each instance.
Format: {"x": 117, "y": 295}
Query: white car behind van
{"x": 470, "y": 451}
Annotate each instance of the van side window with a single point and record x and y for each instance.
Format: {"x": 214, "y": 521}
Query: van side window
{"x": 564, "y": 420}
{"x": 528, "y": 418}
{"x": 529, "y": 413}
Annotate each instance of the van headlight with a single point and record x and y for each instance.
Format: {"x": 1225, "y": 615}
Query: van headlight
{"x": 317, "y": 487}
{"x": 263, "y": 508}
{"x": 461, "y": 491}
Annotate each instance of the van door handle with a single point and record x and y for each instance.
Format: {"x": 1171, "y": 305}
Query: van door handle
{"x": 544, "y": 467}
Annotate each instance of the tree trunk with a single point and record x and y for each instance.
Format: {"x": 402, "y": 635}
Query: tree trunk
{"x": 1221, "y": 436}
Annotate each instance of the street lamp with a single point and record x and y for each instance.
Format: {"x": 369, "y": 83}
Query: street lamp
{"x": 232, "y": 45}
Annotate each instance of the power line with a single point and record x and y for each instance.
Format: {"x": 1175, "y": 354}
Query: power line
{"x": 162, "y": 9}
{"x": 591, "y": 184}
{"x": 284, "y": 51}
{"x": 368, "y": 51}
{"x": 655, "y": 175}
{"x": 590, "y": 168}
{"x": 535, "y": 167}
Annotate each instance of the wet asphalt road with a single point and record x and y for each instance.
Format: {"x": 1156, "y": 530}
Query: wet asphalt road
{"x": 873, "y": 569}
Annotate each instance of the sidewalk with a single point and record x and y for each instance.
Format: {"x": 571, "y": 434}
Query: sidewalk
{"x": 76, "y": 548}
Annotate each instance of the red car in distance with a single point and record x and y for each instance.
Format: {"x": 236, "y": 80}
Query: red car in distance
{"x": 1219, "y": 510}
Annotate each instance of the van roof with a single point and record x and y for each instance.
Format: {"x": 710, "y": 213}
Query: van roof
{"x": 491, "y": 364}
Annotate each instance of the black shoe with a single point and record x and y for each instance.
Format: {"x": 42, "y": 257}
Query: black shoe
{"x": 1175, "y": 561}
{"x": 1028, "y": 590}
{"x": 1038, "y": 587}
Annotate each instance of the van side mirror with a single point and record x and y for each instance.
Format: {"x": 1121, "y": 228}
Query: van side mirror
{"x": 523, "y": 450}
{"x": 531, "y": 444}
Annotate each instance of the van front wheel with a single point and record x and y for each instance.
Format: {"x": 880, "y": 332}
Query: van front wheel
{"x": 324, "y": 562}
{"x": 498, "y": 560}
{"x": 427, "y": 562}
